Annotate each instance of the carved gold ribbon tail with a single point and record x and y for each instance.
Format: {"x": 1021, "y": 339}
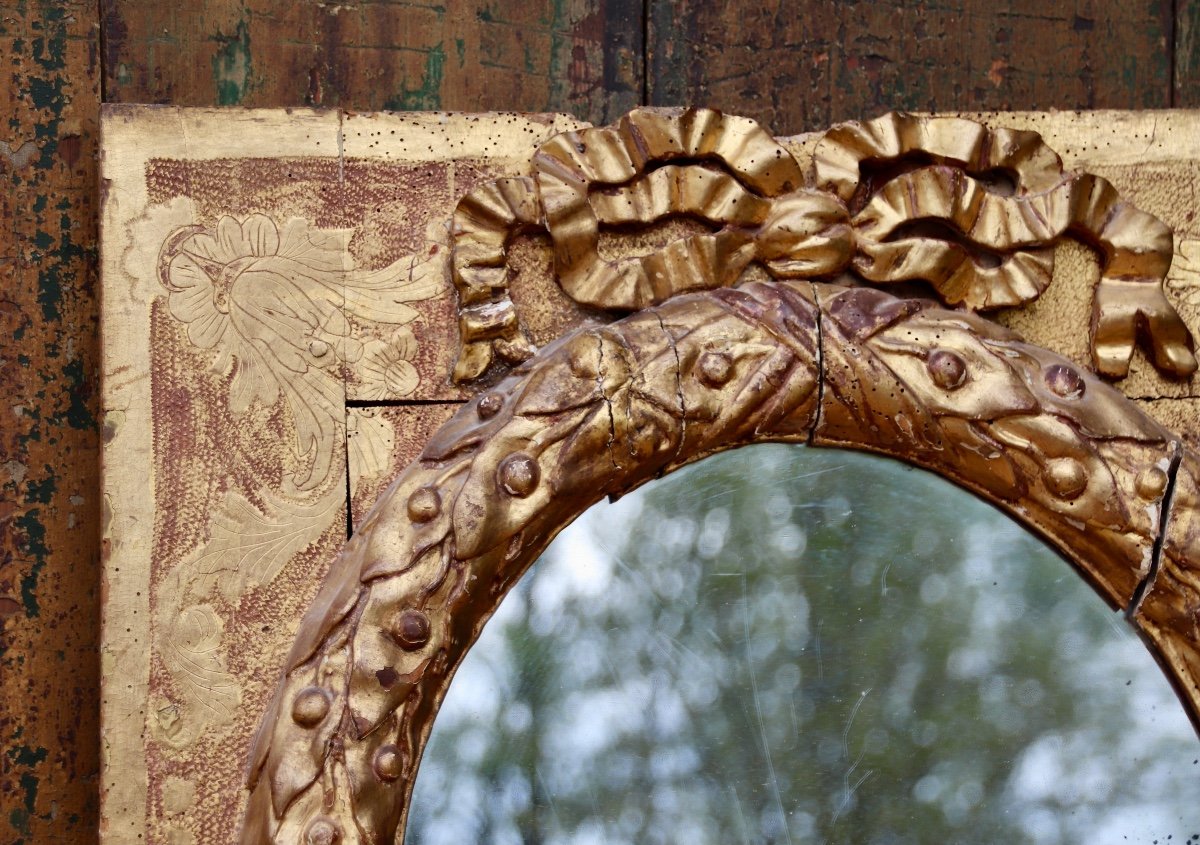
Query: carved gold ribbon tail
{"x": 980, "y": 221}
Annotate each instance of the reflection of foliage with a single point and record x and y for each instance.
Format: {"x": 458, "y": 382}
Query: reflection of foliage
{"x": 843, "y": 650}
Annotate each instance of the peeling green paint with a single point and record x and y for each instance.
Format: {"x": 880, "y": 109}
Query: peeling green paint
{"x": 79, "y": 415}
{"x": 45, "y": 93}
{"x": 427, "y": 97}
{"x": 23, "y": 755}
{"x": 51, "y": 51}
{"x": 35, "y": 546}
{"x": 40, "y": 491}
{"x": 461, "y": 46}
{"x": 54, "y": 66}
{"x": 231, "y": 66}
{"x": 560, "y": 50}
{"x": 19, "y": 817}
{"x": 49, "y": 292}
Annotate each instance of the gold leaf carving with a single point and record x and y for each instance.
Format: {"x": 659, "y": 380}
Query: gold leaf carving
{"x": 605, "y": 409}
{"x": 1185, "y": 272}
{"x": 386, "y": 367}
{"x": 801, "y": 358}
{"x": 247, "y": 547}
{"x": 972, "y": 211}
{"x": 192, "y": 649}
{"x": 276, "y": 307}
{"x": 371, "y": 441}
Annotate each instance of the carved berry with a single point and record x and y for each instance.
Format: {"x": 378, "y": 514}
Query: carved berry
{"x": 310, "y": 707}
{"x": 947, "y": 369}
{"x": 715, "y": 368}
{"x": 1065, "y": 478}
{"x": 1151, "y": 483}
{"x": 1064, "y": 381}
{"x": 388, "y": 764}
{"x": 424, "y": 504}
{"x": 410, "y": 629}
{"x": 519, "y": 474}
{"x": 323, "y": 831}
{"x": 490, "y": 405}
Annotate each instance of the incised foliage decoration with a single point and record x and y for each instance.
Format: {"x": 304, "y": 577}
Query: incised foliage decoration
{"x": 274, "y": 305}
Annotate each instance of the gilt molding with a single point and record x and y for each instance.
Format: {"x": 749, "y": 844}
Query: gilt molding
{"x": 605, "y": 410}
{"x": 707, "y": 362}
{"x": 972, "y": 211}
{"x": 281, "y": 330}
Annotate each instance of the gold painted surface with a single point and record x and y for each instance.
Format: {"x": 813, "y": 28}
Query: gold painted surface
{"x": 608, "y": 409}
{"x": 971, "y": 211}
{"x": 229, "y": 435}
{"x": 255, "y": 279}
{"x": 1170, "y": 612}
{"x": 382, "y": 442}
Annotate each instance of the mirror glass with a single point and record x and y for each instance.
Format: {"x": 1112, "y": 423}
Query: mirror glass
{"x": 791, "y": 645}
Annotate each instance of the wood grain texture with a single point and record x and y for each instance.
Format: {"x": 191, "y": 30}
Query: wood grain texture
{"x": 49, "y": 548}
{"x": 799, "y": 66}
{"x": 1185, "y": 80}
{"x": 549, "y": 55}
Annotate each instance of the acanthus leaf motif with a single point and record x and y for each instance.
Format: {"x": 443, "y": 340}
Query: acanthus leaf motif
{"x": 281, "y": 307}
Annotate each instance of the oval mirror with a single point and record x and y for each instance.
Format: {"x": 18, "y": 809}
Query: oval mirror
{"x": 785, "y": 645}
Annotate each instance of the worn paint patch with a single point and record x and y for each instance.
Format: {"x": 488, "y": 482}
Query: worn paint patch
{"x": 231, "y": 66}
{"x": 33, "y": 537}
{"x": 428, "y": 95}
{"x": 18, "y": 156}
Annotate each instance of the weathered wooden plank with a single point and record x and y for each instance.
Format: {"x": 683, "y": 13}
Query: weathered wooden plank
{"x": 802, "y": 65}
{"x": 1186, "y": 54}
{"x": 550, "y": 55}
{"x": 49, "y": 508}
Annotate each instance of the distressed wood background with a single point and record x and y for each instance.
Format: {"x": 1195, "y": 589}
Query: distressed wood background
{"x": 795, "y": 66}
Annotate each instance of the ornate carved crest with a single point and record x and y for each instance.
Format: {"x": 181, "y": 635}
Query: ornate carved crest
{"x": 708, "y": 362}
{"x": 972, "y": 211}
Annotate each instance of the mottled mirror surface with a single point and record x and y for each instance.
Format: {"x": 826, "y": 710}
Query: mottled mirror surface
{"x": 786, "y": 645}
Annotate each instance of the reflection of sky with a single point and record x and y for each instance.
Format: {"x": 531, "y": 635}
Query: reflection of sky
{"x": 595, "y": 708}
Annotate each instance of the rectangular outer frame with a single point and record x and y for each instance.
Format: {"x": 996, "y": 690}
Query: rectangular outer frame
{"x": 155, "y": 783}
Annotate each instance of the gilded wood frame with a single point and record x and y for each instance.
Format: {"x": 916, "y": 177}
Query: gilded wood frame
{"x": 818, "y": 359}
